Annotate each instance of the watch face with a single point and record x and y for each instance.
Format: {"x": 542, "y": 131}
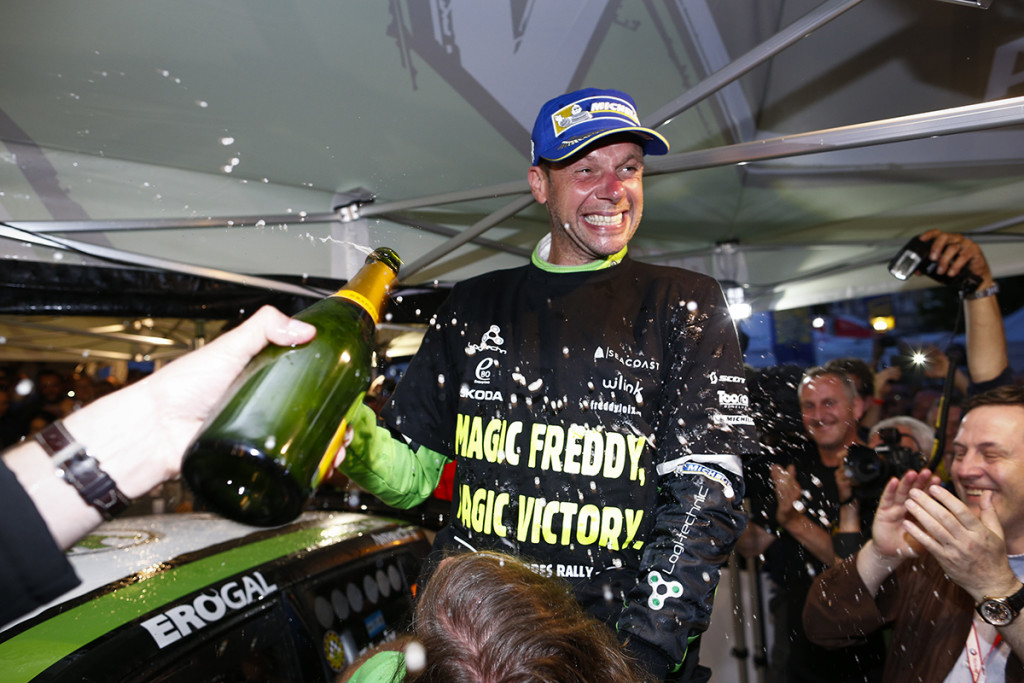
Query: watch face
{"x": 996, "y": 612}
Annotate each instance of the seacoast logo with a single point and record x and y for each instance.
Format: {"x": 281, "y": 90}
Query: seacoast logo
{"x": 601, "y": 353}
{"x": 182, "y": 620}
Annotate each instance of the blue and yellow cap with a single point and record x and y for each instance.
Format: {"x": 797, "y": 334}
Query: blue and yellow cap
{"x": 570, "y": 122}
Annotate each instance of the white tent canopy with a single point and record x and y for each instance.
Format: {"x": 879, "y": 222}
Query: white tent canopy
{"x": 259, "y": 143}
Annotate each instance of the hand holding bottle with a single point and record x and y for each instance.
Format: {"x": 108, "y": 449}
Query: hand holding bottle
{"x": 189, "y": 388}
{"x": 139, "y": 433}
{"x": 278, "y": 433}
{"x": 153, "y": 420}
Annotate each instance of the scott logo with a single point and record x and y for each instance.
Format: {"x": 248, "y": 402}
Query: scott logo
{"x": 716, "y": 378}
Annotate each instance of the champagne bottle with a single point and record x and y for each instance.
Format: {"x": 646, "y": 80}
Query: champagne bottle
{"x": 272, "y": 440}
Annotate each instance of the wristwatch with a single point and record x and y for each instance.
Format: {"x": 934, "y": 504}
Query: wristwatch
{"x": 82, "y": 471}
{"x": 983, "y": 293}
{"x": 1002, "y": 611}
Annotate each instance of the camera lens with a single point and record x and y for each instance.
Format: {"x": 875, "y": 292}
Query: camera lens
{"x": 863, "y": 465}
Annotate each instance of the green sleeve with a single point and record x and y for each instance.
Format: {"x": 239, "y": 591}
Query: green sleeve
{"x": 383, "y": 667}
{"x": 386, "y": 466}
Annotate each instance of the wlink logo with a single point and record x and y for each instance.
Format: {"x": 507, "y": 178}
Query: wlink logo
{"x": 620, "y": 384}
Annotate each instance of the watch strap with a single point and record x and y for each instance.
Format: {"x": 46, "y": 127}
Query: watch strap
{"x": 81, "y": 470}
{"x": 983, "y": 293}
{"x": 1016, "y": 601}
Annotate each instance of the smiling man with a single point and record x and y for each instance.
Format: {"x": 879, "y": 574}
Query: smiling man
{"x": 596, "y": 406}
{"x": 944, "y": 570}
{"x": 830, "y": 408}
{"x": 595, "y": 202}
{"x": 811, "y": 522}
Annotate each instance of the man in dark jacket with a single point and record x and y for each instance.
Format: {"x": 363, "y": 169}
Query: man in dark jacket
{"x": 805, "y": 519}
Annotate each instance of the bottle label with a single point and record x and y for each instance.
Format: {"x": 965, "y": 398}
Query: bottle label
{"x": 361, "y": 300}
{"x": 329, "y": 461}
{"x": 369, "y": 287}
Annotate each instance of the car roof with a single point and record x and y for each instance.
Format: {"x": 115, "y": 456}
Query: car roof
{"x": 133, "y": 567}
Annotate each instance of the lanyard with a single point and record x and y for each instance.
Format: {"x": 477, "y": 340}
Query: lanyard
{"x": 975, "y": 662}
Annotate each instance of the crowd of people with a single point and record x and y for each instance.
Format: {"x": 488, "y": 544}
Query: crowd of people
{"x": 820, "y": 496}
{"x": 601, "y": 460}
{"x": 35, "y": 395}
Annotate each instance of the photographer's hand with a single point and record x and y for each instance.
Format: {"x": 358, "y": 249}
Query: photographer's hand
{"x": 884, "y": 379}
{"x": 937, "y": 364}
{"x": 986, "y": 340}
{"x": 954, "y": 253}
{"x": 937, "y": 367}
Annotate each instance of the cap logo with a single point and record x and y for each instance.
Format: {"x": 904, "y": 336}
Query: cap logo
{"x": 568, "y": 123}
{"x": 575, "y": 113}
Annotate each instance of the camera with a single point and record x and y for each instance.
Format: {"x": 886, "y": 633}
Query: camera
{"x": 870, "y": 468}
{"x": 914, "y": 257}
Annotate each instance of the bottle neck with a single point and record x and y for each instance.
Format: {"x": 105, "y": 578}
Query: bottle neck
{"x": 369, "y": 288}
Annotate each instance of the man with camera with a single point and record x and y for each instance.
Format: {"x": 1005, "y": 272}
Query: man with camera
{"x": 806, "y": 519}
{"x": 895, "y": 445}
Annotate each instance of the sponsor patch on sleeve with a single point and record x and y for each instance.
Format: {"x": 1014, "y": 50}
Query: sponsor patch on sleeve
{"x": 688, "y": 466}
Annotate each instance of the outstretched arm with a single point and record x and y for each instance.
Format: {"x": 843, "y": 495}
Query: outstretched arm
{"x": 986, "y": 339}
{"x": 139, "y": 433}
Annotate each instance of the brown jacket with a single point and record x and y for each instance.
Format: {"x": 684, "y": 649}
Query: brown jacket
{"x": 931, "y": 618}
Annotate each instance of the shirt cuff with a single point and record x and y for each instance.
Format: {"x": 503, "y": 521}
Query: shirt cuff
{"x": 648, "y": 658}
